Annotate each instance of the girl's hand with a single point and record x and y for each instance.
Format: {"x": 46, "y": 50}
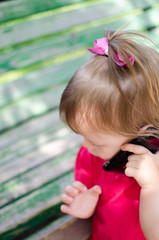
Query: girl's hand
{"x": 80, "y": 202}
{"x": 142, "y": 165}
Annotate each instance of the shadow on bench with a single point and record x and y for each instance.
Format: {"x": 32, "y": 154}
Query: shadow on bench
{"x": 65, "y": 228}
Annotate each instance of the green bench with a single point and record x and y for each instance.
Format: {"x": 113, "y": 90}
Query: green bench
{"x": 42, "y": 43}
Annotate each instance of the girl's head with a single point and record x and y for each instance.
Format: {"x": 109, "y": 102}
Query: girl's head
{"x": 102, "y": 96}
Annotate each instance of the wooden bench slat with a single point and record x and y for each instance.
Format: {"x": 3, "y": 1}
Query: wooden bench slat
{"x": 68, "y": 42}
{"x": 9, "y": 35}
{"x": 33, "y": 159}
{"x": 36, "y": 177}
{"x": 25, "y": 56}
{"x": 18, "y": 143}
{"x": 17, "y": 9}
{"x": 23, "y": 149}
{"x": 28, "y": 108}
{"x": 33, "y": 82}
{"x": 32, "y": 143}
{"x": 48, "y": 25}
{"x": 33, "y": 128}
{"x": 30, "y": 211}
{"x": 25, "y": 143}
{"x": 64, "y": 228}
{"x": 34, "y": 53}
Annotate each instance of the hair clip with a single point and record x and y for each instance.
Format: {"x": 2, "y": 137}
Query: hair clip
{"x": 101, "y": 48}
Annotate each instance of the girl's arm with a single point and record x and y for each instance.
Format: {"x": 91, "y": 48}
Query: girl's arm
{"x": 143, "y": 166}
{"x": 149, "y": 212}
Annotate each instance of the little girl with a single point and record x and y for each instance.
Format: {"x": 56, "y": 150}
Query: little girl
{"x": 111, "y": 100}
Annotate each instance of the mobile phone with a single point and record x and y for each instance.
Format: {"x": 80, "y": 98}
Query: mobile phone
{"x": 119, "y": 160}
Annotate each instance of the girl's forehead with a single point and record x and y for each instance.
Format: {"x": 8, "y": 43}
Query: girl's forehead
{"x": 94, "y": 135}
{"x": 106, "y": 140}
{"x": 88, "y": 126}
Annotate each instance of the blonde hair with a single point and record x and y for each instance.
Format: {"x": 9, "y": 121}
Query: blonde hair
{"x": 105, "y": 96}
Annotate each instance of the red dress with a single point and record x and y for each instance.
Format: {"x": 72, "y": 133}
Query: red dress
{"x": 117, "y": 212}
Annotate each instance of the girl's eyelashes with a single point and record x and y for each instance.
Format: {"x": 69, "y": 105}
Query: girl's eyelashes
{"x": 94, "y": 144}
{"x": 90, "y": 142}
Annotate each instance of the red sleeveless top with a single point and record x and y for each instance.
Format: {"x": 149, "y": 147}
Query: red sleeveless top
{"x": 117, "y": 212}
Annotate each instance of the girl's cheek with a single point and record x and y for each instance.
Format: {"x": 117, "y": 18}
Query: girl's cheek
{"x": 85, "y": 144}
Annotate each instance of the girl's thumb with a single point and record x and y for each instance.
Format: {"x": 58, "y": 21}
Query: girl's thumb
{"x": 95, "y": 190}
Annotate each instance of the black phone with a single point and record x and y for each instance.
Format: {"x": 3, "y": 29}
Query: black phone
{"x": 119, "y": 160}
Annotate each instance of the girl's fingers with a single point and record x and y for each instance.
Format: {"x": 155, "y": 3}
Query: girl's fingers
{"x": 65, "y": 209}
{"x": 157, "y": 153}
{"x": 66, "y": 199}
{"x": 132, "y": 164}
{"x": 95, "y": 190}
{"x": 134, "y": 157}
{"x": 136, "y": 149}
{"x": 130, "y": 172}
{"x": 71, "y": 191}
{"x": 79, "y": 186}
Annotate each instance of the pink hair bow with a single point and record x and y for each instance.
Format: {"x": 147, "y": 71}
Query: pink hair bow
{"x": 101, "y": 48}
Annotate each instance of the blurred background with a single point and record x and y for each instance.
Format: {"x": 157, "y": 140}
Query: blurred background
{"x": 42, "y": 44}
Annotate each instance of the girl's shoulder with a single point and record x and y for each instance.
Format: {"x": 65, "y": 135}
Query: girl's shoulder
{"x": 83, "y": 152}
